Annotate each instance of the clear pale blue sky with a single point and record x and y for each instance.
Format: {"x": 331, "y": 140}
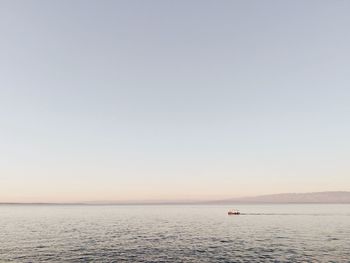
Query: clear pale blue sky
{"x": 116, "y": 100}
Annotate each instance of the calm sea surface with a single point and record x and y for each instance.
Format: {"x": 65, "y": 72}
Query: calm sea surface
{"x": 263, "y": 233}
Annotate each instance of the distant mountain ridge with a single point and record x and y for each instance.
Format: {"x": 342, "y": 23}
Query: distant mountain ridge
{"x": 314, "y": 197}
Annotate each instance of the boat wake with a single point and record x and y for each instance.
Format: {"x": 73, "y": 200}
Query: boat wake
{"x": 292, "y": 214}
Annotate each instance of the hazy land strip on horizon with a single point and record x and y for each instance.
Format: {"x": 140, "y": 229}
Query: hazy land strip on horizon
{"x": 329, "y": 197}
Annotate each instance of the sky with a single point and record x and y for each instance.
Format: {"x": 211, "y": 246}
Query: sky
{"x": 172, "y": 100}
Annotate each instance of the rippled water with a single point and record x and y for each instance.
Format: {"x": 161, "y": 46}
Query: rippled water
{"x": 263, "y": 233}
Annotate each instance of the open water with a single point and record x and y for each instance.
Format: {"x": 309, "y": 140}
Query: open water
{"x": 87, "y": 233}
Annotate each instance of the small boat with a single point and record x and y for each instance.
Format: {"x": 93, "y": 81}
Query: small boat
{"x": 233, "y": 212}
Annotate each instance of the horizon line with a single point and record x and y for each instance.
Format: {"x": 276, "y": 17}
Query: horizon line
{"x": 233, "y": 200}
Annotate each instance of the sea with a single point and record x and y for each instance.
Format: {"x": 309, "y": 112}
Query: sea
{"x": 175, "y": 233}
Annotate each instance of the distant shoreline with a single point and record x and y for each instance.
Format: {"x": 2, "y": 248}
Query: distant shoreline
{"x": 330, "y": 197}
{"x": 175, "y": 204}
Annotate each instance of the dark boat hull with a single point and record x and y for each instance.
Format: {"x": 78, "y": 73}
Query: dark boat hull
{"x": 233, "y": 213}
